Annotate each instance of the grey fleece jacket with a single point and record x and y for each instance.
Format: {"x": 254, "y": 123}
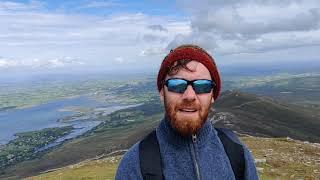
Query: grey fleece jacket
{"x": 183, "y": 158}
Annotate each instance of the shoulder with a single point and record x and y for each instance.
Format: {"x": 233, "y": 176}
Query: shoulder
{"x": 129, "y": 166}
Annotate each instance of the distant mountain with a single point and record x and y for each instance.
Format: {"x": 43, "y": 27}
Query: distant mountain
{"x": 303, "y": 89}
{"x": 242, "y": 112}
{"x": 262, "y": 116}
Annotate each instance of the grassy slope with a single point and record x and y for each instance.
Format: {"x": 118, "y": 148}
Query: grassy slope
{"x": 279, "y": 158}
{"x": 93, "y": 169}
{"x": 285, "y": 158}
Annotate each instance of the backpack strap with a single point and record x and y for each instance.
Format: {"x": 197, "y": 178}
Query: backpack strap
{"x": 234, "y": 152}
{"x": 150, "y": 158}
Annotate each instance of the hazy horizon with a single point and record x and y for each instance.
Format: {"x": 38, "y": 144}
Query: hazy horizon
{"x": 16, "y": 76}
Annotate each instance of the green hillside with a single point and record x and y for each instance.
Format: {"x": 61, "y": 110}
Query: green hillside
{"x": 91, "y": 169}
{"x": 262, "y": 116}
{"x": 276, "y": 158}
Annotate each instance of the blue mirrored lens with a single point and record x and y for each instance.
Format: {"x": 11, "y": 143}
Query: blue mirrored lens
{"x": 180, "y": 85}
{"x": 202, "y": 86}
{"x": 177, "y": 85}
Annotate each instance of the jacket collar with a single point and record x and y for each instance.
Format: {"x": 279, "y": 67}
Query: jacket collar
{"x": 171, "y": 136}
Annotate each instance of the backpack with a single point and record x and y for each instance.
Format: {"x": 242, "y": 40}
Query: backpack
{"x": 150, "y": 159}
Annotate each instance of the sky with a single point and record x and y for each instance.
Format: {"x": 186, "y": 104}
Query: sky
{"x": 136, "y": 35}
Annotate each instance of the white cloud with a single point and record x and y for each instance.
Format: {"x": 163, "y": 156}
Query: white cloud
{"x": 119, "y": 59}
{"x": 248, "y": 26}
{"x": 100, "y": 4}
{"x": 158, "y": 27}
{"x": 153, "y": 51}
{"x": 226, "y": 28}
{"x": 99, "y": 40}
{"x": 63, "y": 62}
{"x": 17, "y": 6}
{"x": 5, "y": 63}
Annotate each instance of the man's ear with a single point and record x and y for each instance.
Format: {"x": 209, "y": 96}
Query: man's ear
{"x": 161, "y": 94}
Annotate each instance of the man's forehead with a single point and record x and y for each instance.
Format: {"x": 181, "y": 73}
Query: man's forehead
{"x": 198, "y": 71}
{"x": 192, "y": 65}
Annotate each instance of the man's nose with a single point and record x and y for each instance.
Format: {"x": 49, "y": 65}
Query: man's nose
{"x": 189, "y": 94}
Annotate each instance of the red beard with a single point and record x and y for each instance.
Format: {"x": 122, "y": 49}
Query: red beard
{"x": 186, "y": 126}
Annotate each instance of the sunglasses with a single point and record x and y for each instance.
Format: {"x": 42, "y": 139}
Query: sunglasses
{"x": 199, "y": 86}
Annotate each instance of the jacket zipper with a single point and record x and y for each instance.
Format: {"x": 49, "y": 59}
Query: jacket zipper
{"x": 193, "y": 152}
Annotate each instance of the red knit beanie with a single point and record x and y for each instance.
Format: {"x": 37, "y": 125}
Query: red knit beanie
{"x": 190, "y": 52}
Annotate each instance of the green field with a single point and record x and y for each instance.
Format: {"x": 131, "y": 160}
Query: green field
{"x": 25, "y": 146}
{"x": 110, "y": 91}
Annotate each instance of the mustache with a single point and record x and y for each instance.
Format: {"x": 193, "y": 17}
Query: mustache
{"x": 188, "y": 104}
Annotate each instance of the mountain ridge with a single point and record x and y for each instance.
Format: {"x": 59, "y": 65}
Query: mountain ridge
{"x": 266, "y": 117}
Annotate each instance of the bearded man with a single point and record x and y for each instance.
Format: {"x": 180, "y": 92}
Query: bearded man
{"x": 185, "y": 145}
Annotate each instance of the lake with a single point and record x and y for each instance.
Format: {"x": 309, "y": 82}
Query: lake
{"x": 47, "y": 115}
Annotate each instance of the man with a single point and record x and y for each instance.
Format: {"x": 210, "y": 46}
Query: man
{"x": 189, "y": 146}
